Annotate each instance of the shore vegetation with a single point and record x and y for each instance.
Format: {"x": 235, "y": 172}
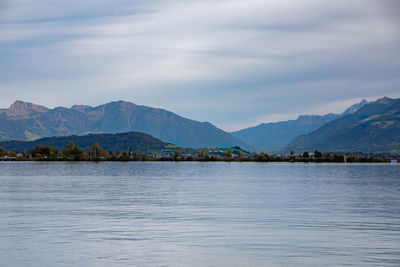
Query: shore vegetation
{"x": 72, "y": 152}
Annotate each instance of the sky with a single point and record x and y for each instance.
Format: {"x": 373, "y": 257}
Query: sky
{"x": 233, "y": 63}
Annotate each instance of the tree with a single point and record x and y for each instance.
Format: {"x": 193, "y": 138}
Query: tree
{"x": 97, "y": 153}
{"x": 228, "y": 154}
{"x": 177, "y": 155}
{"x": 3, "y": 152}
{"x": 203, "y": 154}
{"x": 317, "y": 154}
{"x": 337, "y": 158}
{"x": 306, "y": 155}
{"x": 261, "y": 157}
{"x": 74, "y": 152}
{"x": 124, "y": 156}
{"x": 25, "y": 154}
{"x": 44, "y": 152}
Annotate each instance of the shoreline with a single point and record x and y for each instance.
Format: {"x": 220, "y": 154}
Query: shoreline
{"x": 149, "y": 159}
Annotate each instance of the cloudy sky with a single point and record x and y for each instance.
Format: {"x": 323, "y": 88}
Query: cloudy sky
{"x": 233, "y": 63}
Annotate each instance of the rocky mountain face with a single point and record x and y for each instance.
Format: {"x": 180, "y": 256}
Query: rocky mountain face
{"x": 23, "y": 109}
{"x": 270, "y": 137}
{"x": 375, "y": 127}
{"x": 27, "y": 121}
{"x": 354, "y": 108}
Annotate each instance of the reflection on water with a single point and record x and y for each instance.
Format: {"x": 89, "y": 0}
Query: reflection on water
{"x": 204, "y": 214}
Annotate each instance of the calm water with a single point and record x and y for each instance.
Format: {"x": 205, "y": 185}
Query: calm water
{"x": 199, "y": 214}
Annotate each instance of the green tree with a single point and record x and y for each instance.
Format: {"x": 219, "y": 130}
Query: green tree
{"x": 44, "y": 152}
{"x": 124, "y": 156}
{"x": 261, "y": 157}
{"x": 74, "y": 152}
{"x": 3, "y": 152}
{"x": 317, "y": 154}
{"x": 97, "y": 153}
{"x": 177, "y": 155}
{"x": 337, "y": 158}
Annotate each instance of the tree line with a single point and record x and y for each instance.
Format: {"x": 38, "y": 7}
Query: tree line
{"x": 72, "y": 152}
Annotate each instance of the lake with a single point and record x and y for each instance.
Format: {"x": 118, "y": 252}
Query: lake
{"x": 199, "y": 214}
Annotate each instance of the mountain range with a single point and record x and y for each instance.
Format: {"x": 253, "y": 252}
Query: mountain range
{"x": 274, "y": 136}
{"x": 26, "y": 121}
{"x": 375, "y": 127}
{"x": 364, "y": 127}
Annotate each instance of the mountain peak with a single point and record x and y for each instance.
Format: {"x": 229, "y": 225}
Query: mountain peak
{"x": 384, "y": 100}
{"x": 122, "y": 103}
{"x": 21, "y": 108}
{"x": 354, "y": 108}
{"x": 81, "y": 108}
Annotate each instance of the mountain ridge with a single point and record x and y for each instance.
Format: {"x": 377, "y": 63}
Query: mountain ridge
{"x": 375, "y": 127}
{"x": 21, "y": 108}
{"x": 31, "y": 121}
{"x": 274, "y": 136}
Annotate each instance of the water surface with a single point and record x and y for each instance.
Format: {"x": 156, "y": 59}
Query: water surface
{"x": 201, "y": 214}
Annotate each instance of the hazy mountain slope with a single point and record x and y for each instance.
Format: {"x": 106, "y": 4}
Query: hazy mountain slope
{"x": 276, "y": 135}
{"x": 273, "y": 136}
{"x": 373, "y": 128}
{"x": 123, "y": 116}
{"x": 354, "y": 108}
{"x": 25, "y": 121}
{"x": 140, "y": 143}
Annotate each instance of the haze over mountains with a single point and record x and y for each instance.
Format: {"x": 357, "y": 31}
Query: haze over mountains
{"x": 277, "y": 135}
{"x": 27, "y": 121}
